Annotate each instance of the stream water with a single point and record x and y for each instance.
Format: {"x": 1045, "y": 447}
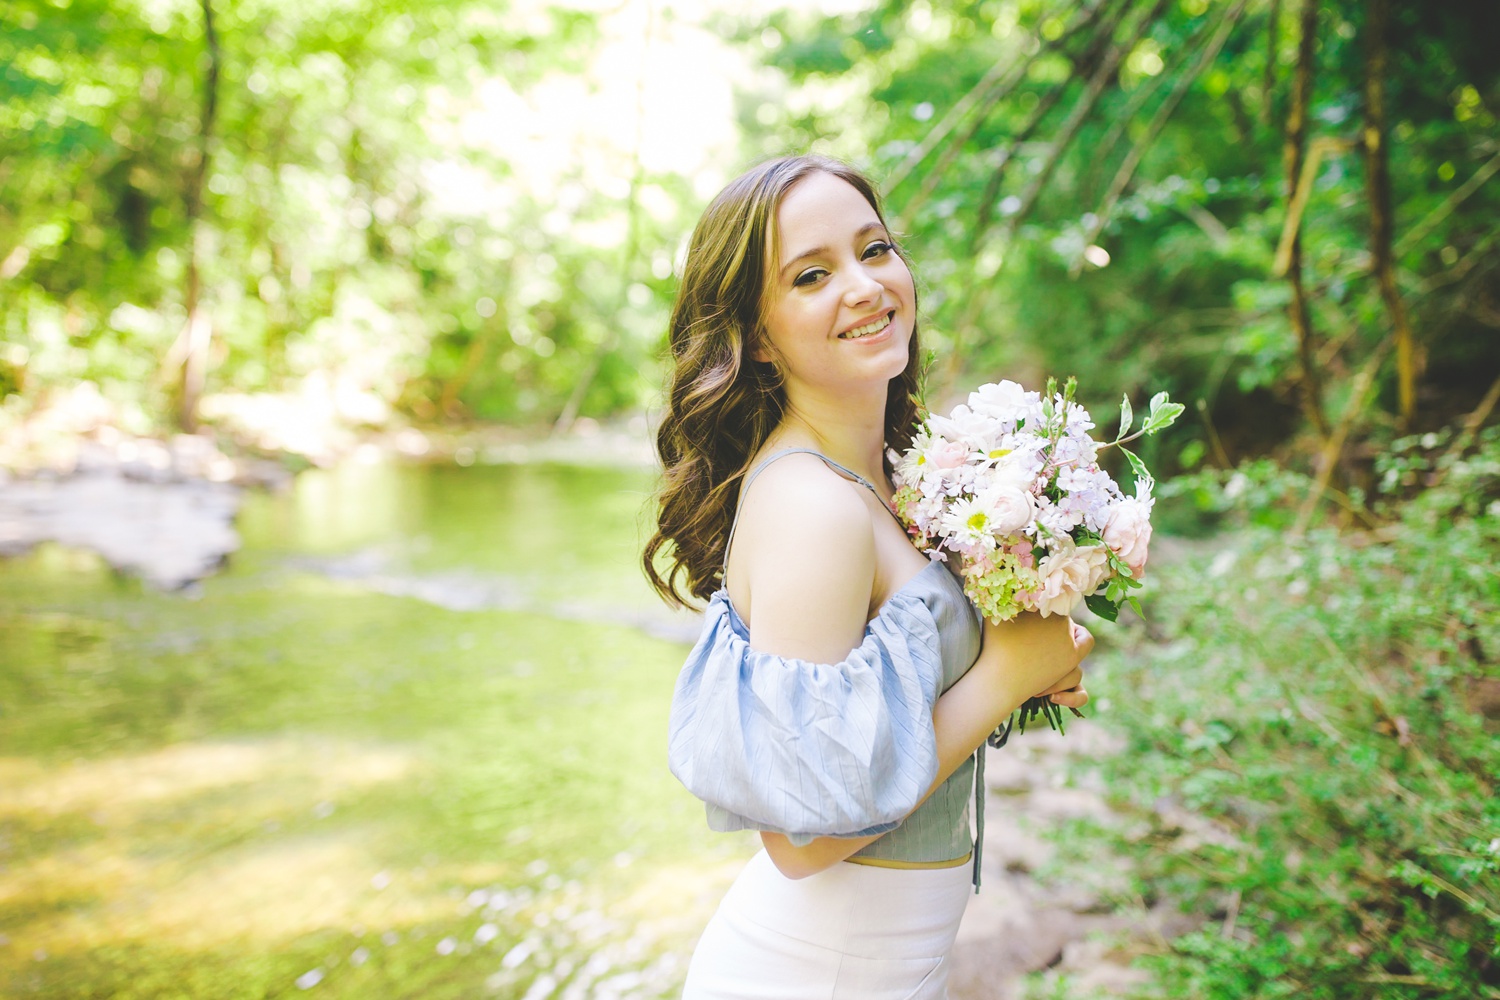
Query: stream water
{"x": 410, "y": 741}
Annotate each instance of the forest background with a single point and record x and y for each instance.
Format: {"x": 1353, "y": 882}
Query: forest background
{"x": 260, "y": 218}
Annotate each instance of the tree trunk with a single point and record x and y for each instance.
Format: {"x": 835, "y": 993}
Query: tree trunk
{"x": 1294, "y": 155}
{"x": 1378, "y": 184}
{"x": 197, "y": 334}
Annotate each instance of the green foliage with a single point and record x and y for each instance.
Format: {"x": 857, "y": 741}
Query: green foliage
{"x": 1183, "y": 296}
{"x": 370, "y": 220}
{"x": 1325, "y": 704}
{"x": 377, "y": 219}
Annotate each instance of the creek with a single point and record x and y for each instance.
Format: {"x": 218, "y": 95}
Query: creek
{"x": 409, "y": 741}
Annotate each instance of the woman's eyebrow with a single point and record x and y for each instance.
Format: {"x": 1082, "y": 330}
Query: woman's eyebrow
{"x": 863, "y": 231}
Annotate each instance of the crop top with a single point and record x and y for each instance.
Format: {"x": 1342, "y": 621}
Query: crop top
{"x": 848, "y": 749}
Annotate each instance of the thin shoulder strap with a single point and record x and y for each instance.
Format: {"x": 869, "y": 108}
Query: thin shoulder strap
{"x": 745, "y": 486}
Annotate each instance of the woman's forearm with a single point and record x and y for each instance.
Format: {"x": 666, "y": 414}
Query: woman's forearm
{"x": 812, "y": 857}
{"x": 1017, "y": 661}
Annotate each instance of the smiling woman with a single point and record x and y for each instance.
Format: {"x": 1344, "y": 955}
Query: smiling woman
{"x": 841, "y": 279}
{"x": 810, "y": 707}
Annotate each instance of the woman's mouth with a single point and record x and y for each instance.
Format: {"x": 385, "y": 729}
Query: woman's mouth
{"x": 869, "y": 329}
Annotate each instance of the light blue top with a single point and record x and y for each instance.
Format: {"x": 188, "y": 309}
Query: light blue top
{"x": 847, "y": 749}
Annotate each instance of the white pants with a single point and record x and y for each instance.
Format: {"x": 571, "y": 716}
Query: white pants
{"x": 851, "y": 932}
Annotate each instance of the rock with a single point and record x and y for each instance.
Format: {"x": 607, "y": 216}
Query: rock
{"x": 1077, "y": 927}
{"x": 171, "y": 533}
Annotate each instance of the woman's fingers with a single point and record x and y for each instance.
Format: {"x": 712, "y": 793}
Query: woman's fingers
{"x": 1067, "y": 682}
{"x": 1083, "y": 640}
{"x": 1072, "y": 698}
{"x": 1069, "y": 691}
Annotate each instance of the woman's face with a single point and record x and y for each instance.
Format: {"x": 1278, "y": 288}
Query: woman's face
{"x": 841, "y": 305}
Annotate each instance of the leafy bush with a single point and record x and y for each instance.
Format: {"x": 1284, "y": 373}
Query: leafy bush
{"x": 1328, "y": 703}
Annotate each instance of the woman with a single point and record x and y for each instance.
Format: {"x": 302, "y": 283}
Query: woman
{"x": 810, "y": 708}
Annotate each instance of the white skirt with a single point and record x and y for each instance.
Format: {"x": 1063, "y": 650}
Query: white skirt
{"x": 851, "y": 932}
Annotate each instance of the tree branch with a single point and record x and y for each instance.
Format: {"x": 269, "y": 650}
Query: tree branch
{"x": 1159, "y": 120}
{"x": 997, "y": 84}
{"x": 985, "y": 213}
{"x": 1456, "y": 198}
{"x": 1333, "y": 444}
{"x": 1080, "y": 112}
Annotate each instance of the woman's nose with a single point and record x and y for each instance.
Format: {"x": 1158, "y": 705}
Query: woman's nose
{"x": 862, "y": 288}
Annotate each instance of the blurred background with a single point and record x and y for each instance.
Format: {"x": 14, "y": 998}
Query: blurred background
{"x": 331, "y": 342}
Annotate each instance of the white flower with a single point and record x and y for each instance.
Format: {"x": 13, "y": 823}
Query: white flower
{"x": 963, "y": 424}
{"x": 1128, "y": 532}
{"x": 969, "y": 524}
{"x": 945, "y": 454}
{"x": 910, "y": 466}
{"x": 1011, "y": 508}
{"x": 1076, "y": 419}
{"x": 1088, "y": 493}
{"x": 1057, "y": 520}
{"x": 1072, "y": 450}
{"x": 1004, "y": 400}
{"x": 1010, "y": 472}
{"x": 1069, "y": 573}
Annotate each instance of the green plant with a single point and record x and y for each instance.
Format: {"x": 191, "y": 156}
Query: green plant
{"x": 1319, "y": 701}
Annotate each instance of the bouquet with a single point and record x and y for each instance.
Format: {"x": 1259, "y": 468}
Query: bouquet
{"x": 1010, "y": 482}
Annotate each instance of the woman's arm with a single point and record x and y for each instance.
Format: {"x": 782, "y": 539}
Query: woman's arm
{"x": 807, "y": 558}
{"x": 1019, "y": 659}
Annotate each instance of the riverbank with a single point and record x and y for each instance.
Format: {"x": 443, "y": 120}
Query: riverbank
{"x": 163, "y": 507}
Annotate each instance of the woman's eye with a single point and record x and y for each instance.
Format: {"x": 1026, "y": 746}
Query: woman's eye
{"x": 808, "y": 277}
{"x": 876, "y": 249}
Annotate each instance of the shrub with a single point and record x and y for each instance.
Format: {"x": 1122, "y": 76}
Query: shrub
{"x": 1329, "y": 701}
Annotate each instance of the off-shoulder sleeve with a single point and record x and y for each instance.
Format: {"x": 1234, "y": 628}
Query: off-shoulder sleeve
{"x": 809, "y": 749}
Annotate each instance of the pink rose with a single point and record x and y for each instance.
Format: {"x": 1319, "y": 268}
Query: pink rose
{"x": 948, "y": 454}
{"x": 1011, "y": 509}
{"x": 1128, "y": 532}
{"x": 1069, "y": 574}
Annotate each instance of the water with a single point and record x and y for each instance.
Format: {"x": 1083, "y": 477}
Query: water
{"x": 410, "y": 742}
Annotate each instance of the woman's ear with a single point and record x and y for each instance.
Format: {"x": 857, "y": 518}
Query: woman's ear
{"x": 758, "y": 349}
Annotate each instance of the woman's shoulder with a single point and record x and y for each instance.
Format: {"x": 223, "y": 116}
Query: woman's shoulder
{"x": 802, "y": 567}
{"x": 800, "y": 496}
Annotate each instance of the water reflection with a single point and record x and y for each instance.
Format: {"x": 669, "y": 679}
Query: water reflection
{"x": 411, "y": 740}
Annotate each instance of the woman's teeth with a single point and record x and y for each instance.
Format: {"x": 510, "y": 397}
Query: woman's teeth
{"x": 867, "y": 329}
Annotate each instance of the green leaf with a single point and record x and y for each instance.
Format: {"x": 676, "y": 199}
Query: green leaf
{"x": 1135, "y": 602}
{"x": 1142, "y": 474}
{"x": 1103, "y": 606}
{"x": 1127, "y": 417}
{"x": 1163, "y": 413}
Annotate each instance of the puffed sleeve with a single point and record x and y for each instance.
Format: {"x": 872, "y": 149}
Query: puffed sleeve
{"x": 809, "y": 749}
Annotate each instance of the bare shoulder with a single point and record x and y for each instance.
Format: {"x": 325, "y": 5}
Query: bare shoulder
{"x": 799, "y": 502}
{"x": 804, "y": 560}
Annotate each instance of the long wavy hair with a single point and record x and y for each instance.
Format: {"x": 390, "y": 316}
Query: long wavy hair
{"x": 722, "y": 403}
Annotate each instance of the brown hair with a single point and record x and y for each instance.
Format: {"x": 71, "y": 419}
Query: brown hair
{"x": 722, "y": 404}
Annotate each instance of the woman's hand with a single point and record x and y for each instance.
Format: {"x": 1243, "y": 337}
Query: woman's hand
{"x": 1039, "y": 655}
{"x": 1069, "y": 692}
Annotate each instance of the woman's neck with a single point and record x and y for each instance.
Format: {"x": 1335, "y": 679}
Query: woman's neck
{"x": 851, "y": 432}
